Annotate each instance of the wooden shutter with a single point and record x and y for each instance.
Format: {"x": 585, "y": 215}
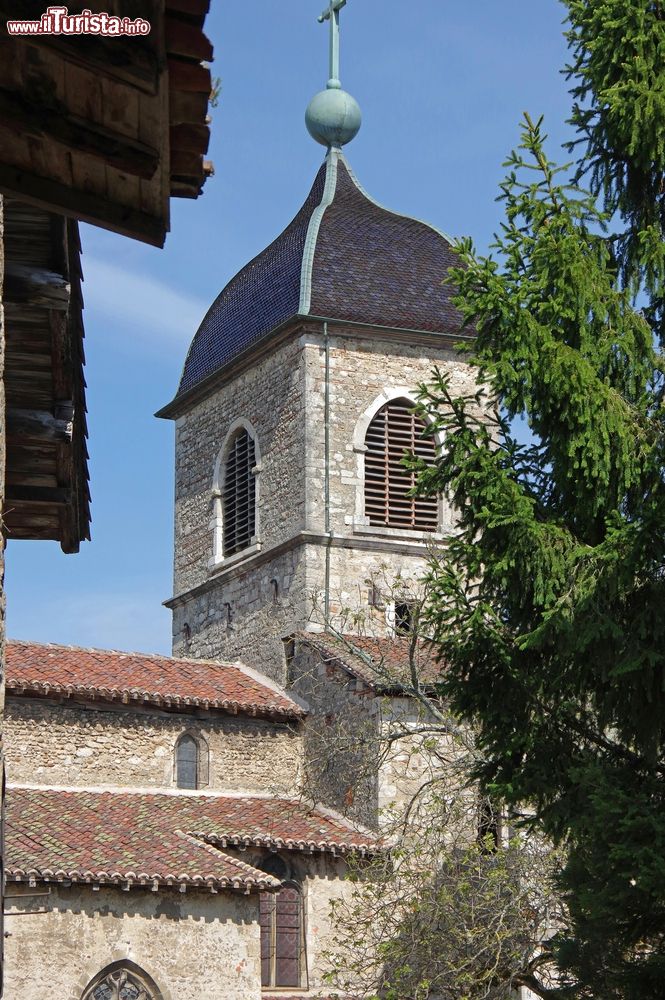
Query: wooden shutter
{"x": 239, "y": 494}
{"x": 288, "y": 936}
{"x": 394, "y": 431}
{"x": 266, "y": 922}
{"x": 282, "y": 937}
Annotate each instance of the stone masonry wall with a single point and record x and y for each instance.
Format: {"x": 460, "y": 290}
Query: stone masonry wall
{"x": 321, "y": 878}
{"x": 341, "y": 736}
{"x": 361, "y": 370}
{"x": 270, "y": 395}
{"x": 72, "y": 745}
{"x": 245, "y": 606}
{"x": 364, "y": 754}
{"x": 195, "y": 946}
{"x": 242, "y": 618}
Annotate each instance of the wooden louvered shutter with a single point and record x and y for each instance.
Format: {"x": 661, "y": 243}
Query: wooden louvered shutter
{"x": 239, "y": 494}
{"x": 288, "y": 936}
{"x": 266, "y": 922}
{"x": 394, "y": 431}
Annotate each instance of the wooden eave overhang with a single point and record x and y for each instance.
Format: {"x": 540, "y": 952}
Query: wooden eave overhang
{"x": 46, "y": 494}
{"x": 107, "y": 129}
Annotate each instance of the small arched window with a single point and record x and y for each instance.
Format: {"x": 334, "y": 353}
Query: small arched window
{"x": 282, "y": 921}
{"x": 191, "y": 762}
{"x": 122, "y": 981}
{"x": 239, "y": 493}
{"x": 394, "y": 430}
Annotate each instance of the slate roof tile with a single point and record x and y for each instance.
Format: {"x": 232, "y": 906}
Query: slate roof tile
{"x": 365, "y": 264}
{"x": 139, "y": 678}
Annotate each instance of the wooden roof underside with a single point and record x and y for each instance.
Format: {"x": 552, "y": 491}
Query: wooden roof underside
{"x": 46, "y": 494}
{"x": 107, "y": 130}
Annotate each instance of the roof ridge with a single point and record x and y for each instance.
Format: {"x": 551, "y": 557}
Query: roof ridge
{"x": 261, "y": 878}
{"x": 123, "y": 652}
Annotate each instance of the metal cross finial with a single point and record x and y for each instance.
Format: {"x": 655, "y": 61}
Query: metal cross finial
{"x": 331, "y": 13}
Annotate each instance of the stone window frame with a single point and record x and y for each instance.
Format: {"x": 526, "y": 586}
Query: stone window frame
{"x": 202, "y": 760}
{"x": 218, "y": 559}
{"x": 113, "y": 973}
{"x": 361, "y": 525}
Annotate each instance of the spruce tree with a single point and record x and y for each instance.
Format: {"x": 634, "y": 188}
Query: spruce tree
{"x": 549, "y": 601}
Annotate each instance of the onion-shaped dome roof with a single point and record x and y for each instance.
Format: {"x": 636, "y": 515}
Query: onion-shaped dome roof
{"x": 343, "y": 257}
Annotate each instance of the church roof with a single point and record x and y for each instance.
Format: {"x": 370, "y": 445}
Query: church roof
{"x": 343, "y": 257}
{"x": 157, "y": 839}
{"x": 382, "y": 663}
{"x": 139, "y": 678}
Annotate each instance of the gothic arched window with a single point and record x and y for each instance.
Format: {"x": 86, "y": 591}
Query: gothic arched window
{"x": 394, "y": 430}
{"x": 282, "y": 921}
{"x": 122, "y": 981}
{"x": 191, "y": 762}
{"x": 239, "y": 493}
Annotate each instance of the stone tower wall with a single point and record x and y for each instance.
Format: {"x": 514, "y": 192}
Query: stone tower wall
{"x": 245, "y": 606}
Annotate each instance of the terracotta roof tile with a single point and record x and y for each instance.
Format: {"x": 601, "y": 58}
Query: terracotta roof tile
{"x": 383, "y": 663}
{"x": 155, "y": 840}
{"x": 140, "y": 678}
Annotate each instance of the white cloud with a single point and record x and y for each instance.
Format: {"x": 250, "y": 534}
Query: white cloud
{"x": 139, "y": 307}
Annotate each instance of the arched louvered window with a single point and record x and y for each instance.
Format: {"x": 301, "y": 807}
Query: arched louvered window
{"x": 122, "y": 981}
{"x": 394, "y": 430}
{"x": 239, "y": 494}
{"x": 191, "y": 763}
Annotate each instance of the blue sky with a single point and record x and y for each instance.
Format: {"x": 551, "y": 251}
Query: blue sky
{"x": 442, "y": 85}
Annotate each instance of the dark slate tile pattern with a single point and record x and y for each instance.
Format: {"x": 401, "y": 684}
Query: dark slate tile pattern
{"x": 375, "y": 267}
{"x": 264, "y": 294}
{"x": 370, "y": 266}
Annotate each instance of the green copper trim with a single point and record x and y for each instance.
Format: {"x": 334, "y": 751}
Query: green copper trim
{"x": 307, "y": 268}
{"x": 332, "y": 14}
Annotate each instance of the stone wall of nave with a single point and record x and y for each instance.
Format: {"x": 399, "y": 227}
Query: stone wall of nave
{"x": 72, "y": 745}
{"x": 195, "y": 946}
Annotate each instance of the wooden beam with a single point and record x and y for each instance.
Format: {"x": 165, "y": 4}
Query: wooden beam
{"x": 54, "y": 196}
{"x": 192, "y": 76}
{"x": 190, "y": 137}
{"x": 192, "y": 8}
{"x": 78, "y": 134}
{"x": 183, "y": 39}
{"x": 185, "y": 106}
{"x": 129, "y": 60}
{"x": 38, "y": 425}
{"x": 54, "y": 495}
{"x": 187, "y": 165}
{"x": 35, "y": 286}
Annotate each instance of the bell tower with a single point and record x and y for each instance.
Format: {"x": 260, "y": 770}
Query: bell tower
{"x": 295, "y": 408}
